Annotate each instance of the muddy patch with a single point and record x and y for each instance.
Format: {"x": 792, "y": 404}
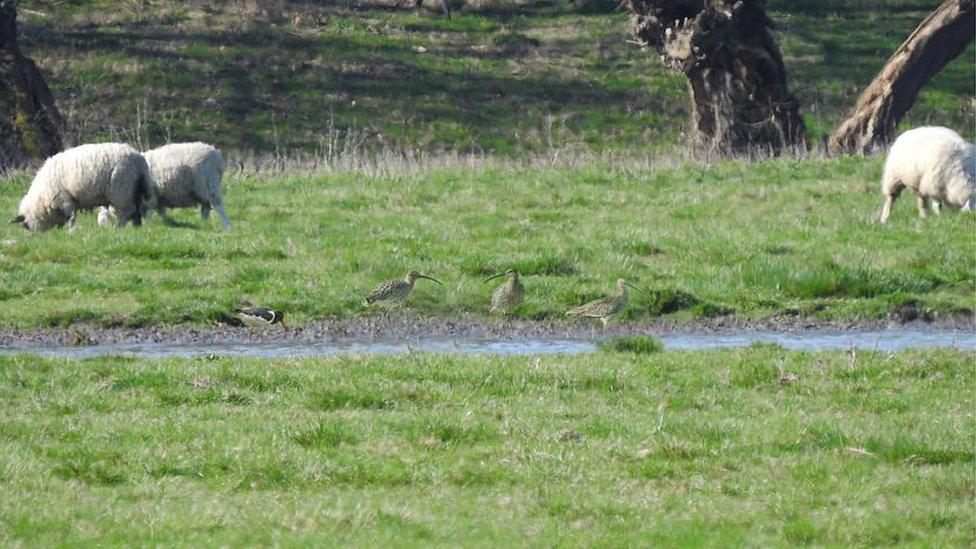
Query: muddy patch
{"x": 473, "y": 335}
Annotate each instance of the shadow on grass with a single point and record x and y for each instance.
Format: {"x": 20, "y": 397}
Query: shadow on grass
{"x": 261, "y": 87}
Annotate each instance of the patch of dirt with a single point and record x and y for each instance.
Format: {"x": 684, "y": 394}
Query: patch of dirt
{"x": 408, "y": 326}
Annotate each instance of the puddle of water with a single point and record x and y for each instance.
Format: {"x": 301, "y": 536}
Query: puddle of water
{"x": 886, "y": 340}
{"x": 882, "y": 340}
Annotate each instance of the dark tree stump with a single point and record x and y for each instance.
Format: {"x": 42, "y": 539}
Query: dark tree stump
{"x": 30, "y": 124}
{"x": 740, "y": 101}
{"x": 940, "y": 38}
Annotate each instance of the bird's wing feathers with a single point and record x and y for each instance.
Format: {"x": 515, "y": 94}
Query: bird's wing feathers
{"x": 383, "y": 290}
{"x": 596, "y": 308}
{"x": 266, "y": 315}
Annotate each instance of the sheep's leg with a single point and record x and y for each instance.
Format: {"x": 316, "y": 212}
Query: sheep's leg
{"x": 936, "y": 207}
{"x": 105, "y": 215}
{"x": 205, "y": 211}
{"x": 892, "y": 192}
{"x": 125, "y": 195}
{"x": 969, "y": 206}
{"x": 224, "y": 218}
{"x": 920, "y": 205}
{"x": 886, "y": 211}
{"x": 135, "y": 218}
{"x": 129, "y": 214}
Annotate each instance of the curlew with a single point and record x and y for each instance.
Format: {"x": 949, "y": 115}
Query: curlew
{"x": 394, "y": 291}
{"x": 607, "y": 306}
{"x": 507, "y": 296}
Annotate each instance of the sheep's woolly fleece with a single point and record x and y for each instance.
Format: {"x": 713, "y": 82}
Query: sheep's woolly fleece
{"x": 85, "y": 177}
{"x": 185, "y": 175}
{"x": 189, "y": 174}
{"x": 934, "y": 163}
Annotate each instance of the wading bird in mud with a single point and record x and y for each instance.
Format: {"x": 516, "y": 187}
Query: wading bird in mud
{"x": 394, "y": 291}
{"x": 260, "y": 316}
{"x": 509, "y": 295}
{"x": 607, "y": 306}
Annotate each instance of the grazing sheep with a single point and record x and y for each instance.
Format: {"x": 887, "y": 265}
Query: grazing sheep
{"x": 82, "y": 178}
{"x": 934, "y": 163}
{"x": 185, "y": 174}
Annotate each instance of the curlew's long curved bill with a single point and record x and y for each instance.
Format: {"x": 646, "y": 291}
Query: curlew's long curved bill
{"x": 490, "y": 278}
{"x": 641, "y": 290}
{"x": 430, "y": 278}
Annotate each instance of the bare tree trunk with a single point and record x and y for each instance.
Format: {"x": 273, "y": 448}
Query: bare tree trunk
{"x": 941, "y": 37}
{"x": 740, "y": 101}
{"x": 30, "y": 124}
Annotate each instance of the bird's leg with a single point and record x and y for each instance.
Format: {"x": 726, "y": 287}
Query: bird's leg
{"x": 389, "y": 316}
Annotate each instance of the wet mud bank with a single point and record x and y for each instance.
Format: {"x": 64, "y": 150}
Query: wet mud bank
{"x": 376, "y": 334}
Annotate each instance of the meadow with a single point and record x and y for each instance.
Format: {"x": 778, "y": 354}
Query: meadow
{"x": 564, "y": 158}
{"x": 366, "y": 141}
{"x": 504, "y": 77}
{"x": 751, "y": 447}
{"x": 786, "y": 237}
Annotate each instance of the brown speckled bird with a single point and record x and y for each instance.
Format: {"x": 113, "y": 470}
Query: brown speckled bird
{"x": 605, "y": 307}
{"x": 394, "y": 291}
{"x": 507, "y": 296}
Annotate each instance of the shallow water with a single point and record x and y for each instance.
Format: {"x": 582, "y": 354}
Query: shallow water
{"x": 882, "y": 340}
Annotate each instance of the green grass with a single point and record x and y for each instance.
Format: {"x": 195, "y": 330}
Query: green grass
{"x": 504, "y": 77}
{"x": 777, "y": 237}
{"x": 639, "y": 345}
{"x": 758, "y": 447}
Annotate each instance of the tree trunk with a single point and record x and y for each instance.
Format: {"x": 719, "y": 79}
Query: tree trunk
{"x": 30, "y": 124}
{"x": 740, "y": 101}
{"x": 941, "y": 37}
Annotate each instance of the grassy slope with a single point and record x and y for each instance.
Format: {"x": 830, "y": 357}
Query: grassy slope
{"x": 504, "y": 77}
{"x": 782, "y": 236}
{"x": 674, "y": 448}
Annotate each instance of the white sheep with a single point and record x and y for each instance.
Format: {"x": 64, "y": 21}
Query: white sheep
{"x": 934, "y": 163}
{"x": 85, "y": 177}
{"x": 185, "y": 174}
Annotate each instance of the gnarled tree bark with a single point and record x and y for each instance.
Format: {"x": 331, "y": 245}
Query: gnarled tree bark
{"x": 30, "y": 124}
{"x": 740, "y": 100}
{"x": 940, "y": 38}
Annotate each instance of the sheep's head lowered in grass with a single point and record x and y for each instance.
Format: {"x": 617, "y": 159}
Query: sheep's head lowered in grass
{"x": 41, "y": 210}
{"x": 21, "y": 221}
{"x": 35, "y": 216}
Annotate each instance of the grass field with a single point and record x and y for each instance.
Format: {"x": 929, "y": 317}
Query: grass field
{"x": 782, "y": 237}
{"x": 504, "y": 77}
{"x": 757, "y": 447}
{"x": 347, "y": 126}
